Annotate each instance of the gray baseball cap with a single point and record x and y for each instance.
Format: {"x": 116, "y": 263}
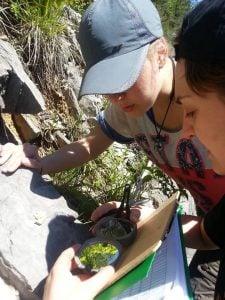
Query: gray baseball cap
{"x": 114, "y": 36}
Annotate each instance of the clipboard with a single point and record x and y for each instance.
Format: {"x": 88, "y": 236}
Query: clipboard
{"x": 136, "y": 260}
{"x": 169, "y": 276}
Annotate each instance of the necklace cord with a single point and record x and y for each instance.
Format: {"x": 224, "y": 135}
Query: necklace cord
{"x": 173, "y": 82}
{"x": 158, "y": 145}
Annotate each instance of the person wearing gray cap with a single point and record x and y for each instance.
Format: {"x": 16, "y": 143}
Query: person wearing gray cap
{"x": 114, "y": 37}
{"x": 127, "y": 60}
{"x": 200, "y": 89}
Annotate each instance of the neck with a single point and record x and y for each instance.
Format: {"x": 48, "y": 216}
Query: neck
{"x": 174, "y": 116}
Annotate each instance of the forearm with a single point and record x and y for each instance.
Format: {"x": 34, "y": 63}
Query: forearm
{"x": 193, "y": 235}
{"x": 77, "y": 153}
{"x": 68, "y": 157}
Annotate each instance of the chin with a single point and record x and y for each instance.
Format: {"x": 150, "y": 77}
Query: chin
{"x": 135, "y": 114}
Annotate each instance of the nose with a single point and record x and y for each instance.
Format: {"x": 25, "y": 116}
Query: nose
{"x": 116, "y": 97}
{"x": 188, "y": 130}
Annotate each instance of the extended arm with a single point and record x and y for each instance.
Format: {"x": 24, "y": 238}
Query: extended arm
{"x": 76, "y": 154}
{"x": 68, "y": 157}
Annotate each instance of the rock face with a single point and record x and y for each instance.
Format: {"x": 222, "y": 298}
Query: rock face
{"x": 18, "y": 94}
{"x": 36, "y": 225}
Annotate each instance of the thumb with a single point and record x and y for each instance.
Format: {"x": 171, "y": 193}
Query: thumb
{"x": 100, "y": 280}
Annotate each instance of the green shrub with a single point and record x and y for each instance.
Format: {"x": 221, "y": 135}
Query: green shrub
{"x": 44, "y": 14}
{"x": 101, "y": 180}
{"x": 79, "y": 5}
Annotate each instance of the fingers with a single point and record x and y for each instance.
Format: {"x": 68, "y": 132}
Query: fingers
{"x": 13, "y": 156}
{"x": 4, "y": 158}
{"x": 103, "y": 209}
{"x": 13, "y": 163}
{"x": 140, "y": 213}
{"x": 65, "y": 260}
{"x": 10, "y": 157}
{"x": 135, "y": 215}
{"x": 6, "y": 151}
{"x": 60, "y": 278}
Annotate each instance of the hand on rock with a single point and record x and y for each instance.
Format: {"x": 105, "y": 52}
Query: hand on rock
{"x": 14, "y": 156}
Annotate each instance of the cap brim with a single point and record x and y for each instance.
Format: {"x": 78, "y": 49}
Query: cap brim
{"x": 114, "y": 75}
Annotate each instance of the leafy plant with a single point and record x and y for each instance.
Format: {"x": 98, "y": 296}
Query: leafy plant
{"x": 165, "y": 184}
{"x": 46, "y": 14}
{"x": 103, "y": 179}
{"x": 172, "y": 13}
{"x": 39, "y": 15}
{"x": 79, "y": 5}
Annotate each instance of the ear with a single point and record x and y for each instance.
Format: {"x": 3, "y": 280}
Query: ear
{"x": 162, "y": 52}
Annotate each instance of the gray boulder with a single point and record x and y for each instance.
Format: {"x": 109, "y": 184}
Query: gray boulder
{"x": 36, "y": 226}
{"x": 18, "y": 94}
